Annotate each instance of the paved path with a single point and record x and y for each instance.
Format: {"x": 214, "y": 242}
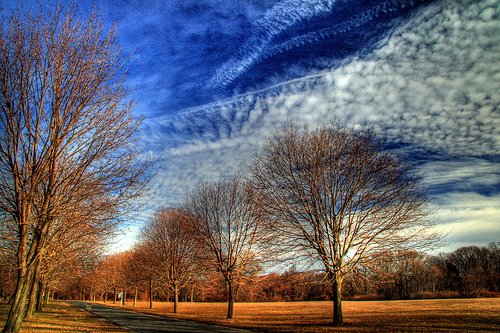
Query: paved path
{"x": 145, "y": 323}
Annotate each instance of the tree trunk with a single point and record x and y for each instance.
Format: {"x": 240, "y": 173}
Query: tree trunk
{"x": 176, "y": 297}
{"x": 19, "y": 302}
{"x": 34, "y": 289}
{"x": 124, "y": 297}
{"x": 230, "y": 301}
{"x": 115, "y": 295}
{"x": 46, "y": 296}
{"x": 135, "y": 297}
{"x": 337, "y": 300}
{"x": 150, "y": 294}
{"x": 192, "y": 293}
{"x": 40, "y": 296}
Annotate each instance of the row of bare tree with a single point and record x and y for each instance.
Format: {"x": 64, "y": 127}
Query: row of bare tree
{"x": 330, "y": 199}
{"x": 68, "y": 166}
{"x": 469, "y": 271}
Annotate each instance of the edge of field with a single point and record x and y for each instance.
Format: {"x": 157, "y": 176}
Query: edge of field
{"x": 441, "y": 315}
{"x": 63, "y": 317}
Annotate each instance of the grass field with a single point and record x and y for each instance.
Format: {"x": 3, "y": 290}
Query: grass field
{"x": 454, "y": 315}
{"x": 62, "y": 317}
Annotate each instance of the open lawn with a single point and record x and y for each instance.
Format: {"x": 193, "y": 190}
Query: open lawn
{"x": 64, "y": 318}
{"x": 453, "y": 315}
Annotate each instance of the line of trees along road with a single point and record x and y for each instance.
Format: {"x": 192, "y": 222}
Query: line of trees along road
{"x": 330, "y": 199}
{"x": 469, "y": 271}
{"x": 67, "y": 163}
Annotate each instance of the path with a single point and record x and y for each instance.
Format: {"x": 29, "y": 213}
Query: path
{"x": 145, "y": 323}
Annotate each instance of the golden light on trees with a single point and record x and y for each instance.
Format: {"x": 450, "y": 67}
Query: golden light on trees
{"x": 227, "y": 223}
{"x": 334, "y": 196}
{"x": 67, "y": 158}
{"x": 169, "y": 238}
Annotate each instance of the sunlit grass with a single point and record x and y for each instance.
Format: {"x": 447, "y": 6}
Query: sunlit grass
{"x": 454, "y": 315}
{"x": 64, "y": 318}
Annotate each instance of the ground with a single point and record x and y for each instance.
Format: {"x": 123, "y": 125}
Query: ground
{"x": 453, "y": 315}
{"x": 62, "y": 317}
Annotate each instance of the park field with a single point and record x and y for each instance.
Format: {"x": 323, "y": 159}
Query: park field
{"x": 62, "y": 317}
{"x": 450, "y": 315}
{"x": 454, "y": 315}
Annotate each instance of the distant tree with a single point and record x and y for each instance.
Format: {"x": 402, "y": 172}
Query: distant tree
{"x": 146, "y": 268}
{"x": 402, "y": 275}
{"x": 169, "y": 237}
{"x": 66, "y": 135}
{"x": 227, "y": 223}
{"x": 73, "y": 274}
{"x": 334, "y": 196}
{"x": 7, "y": 274}
{"x": 7, "y": 258}
{"x": 114, "y": 267}
{"x": 439, "y": 272}
{"x": 137, "y": 270}
{"x": 493, "y": 269}
{"x": 473, "y": 269}
{"x": 69, "y": 248}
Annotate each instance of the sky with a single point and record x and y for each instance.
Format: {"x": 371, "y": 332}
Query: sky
{"x": 214, "y": 78}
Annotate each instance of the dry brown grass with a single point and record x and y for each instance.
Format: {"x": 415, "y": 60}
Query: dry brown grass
{"x": 454, "y": 315}
{"x": 62, "y": 317}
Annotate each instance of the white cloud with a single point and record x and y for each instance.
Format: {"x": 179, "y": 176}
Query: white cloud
{"x": 468, "y": 218}
{"x": 468, "y": 171}
{"x": 434, "y": 83}
{"x": 280, "y": 17}
{"x": 285, "y": 15}
{"x": 420, "y": 86}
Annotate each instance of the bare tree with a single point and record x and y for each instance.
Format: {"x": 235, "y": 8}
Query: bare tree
{"x": 145, "y": 268}
{"x": 171, "y": 241}
{"x": 227, "y": 223}
{"x": 66, "y": 134}
{"x": 402, "y": 275}
{"x": 66, "y": 242}
{"x": 334, "y": 196}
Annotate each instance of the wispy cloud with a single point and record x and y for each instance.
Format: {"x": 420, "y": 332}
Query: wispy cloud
{"x": 287, "y": 26}
{"x": 214, "y": 78}
{"x": 468, "y": 218}
{"x": 430, "y": 86}
{"x": 466, "y": 174}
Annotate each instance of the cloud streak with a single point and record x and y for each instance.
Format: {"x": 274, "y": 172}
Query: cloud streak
{"x": 269, "y": 37}
{"x": 214, "y": 78}
{"x": 429, "y": 86}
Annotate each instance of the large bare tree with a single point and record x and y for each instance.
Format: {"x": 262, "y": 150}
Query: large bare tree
{"x": 66, "y": 134}
{"x": 170, "y": 239}
{"x": 334, "y": 196}
{"x": 227, "y": 223}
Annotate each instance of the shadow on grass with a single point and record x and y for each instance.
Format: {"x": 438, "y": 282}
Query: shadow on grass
{"x": 63, "y": 318}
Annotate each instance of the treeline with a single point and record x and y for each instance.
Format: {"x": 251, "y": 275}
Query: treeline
{"x": 469, "y": 271}
{"x": 69, "y": 169}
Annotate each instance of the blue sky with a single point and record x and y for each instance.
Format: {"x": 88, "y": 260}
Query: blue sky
{"x": 213, "y": 78}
